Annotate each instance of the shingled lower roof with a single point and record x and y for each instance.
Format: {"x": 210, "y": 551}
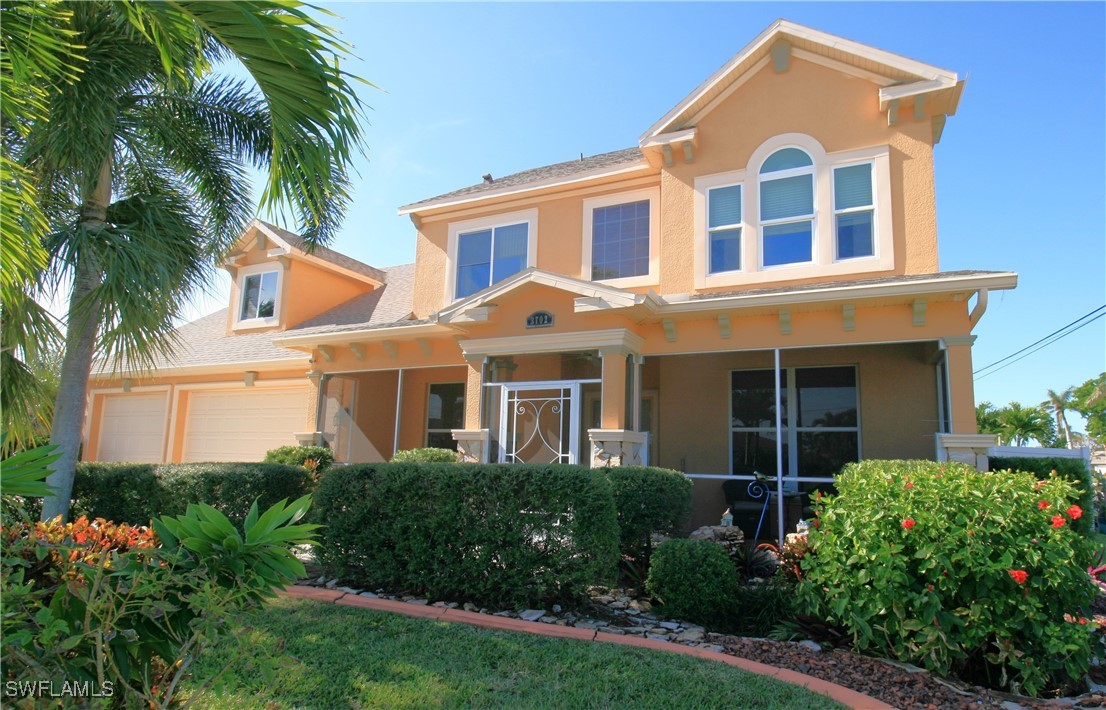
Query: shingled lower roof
{"x": 535, "y": 177}
{"x": 389, "y": 305}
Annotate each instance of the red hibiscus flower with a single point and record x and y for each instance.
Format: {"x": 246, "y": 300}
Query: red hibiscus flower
{"x": 909, "y": 485}
{"x": 1019, "y": 575}
{"x": 1058, "y": 521}
{"x": 1075, "y": 512}
{"x": 908, "y": 523}
{"x": 1042, "y": 504}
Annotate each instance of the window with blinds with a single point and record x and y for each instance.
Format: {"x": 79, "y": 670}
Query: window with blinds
{"x": 724, "y": 228}
{"x": 489, "y": 256}
{"x": 853, "y": 210}
{"x": 787, "y": 208}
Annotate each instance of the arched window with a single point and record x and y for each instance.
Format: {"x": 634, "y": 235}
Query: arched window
{"x": 787, "y": 208}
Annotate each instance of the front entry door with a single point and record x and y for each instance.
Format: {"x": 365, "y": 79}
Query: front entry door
{"x": 539, "y": 422}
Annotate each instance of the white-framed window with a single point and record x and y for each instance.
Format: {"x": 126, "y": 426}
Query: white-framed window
{"x": 487, "y": 250}
{"x": 853, "y": 211}
{"x": 787, "y": 208}
{"x": 258, "y": 296}
{"x": 724, "y": 229}
{"x": 445, "y": 411}
{"x": 621, "y": 238}
{"x": 820, "y": 421}
{"x": 802, "y": 213}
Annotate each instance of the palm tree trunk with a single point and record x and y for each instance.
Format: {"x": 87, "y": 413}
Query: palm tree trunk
{"x": 80, "y": 343}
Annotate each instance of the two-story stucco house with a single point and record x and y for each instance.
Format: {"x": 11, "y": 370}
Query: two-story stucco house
{"x": 753, "y": 287}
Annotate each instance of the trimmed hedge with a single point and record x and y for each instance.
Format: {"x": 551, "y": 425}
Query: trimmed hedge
{"x": 425, "y": 455}
{"x": 648, "y": 500}
{"x": 134, "y": 493}
{"x": 696, "y": 581}
{"x": 1074, "y": 470}
{"x": 492, "y": 534}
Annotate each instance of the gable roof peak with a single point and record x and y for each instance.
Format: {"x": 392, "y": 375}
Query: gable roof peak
{"x": 784, "y": 38}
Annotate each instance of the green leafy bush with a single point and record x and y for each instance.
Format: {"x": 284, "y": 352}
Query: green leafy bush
{"x": 761, "y": 607}
{"x": 497, "y": 535}
{"x": 315, "y": 459}
{"x": 125, "y": 608}
{"x": 1074, "y": 470}
{"x": 960, "y": 572}
{"x": 696, "y": 581}
{"x": 427, "y": 455}
{"x": 648, "y": 500}
{"x": 137, "y": 493}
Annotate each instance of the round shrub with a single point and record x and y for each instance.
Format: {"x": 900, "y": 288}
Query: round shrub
{"x": 649, "y": 500}
{"x": 695, "y": 581}
{"x": 976, "y": 574}
{"x": 300, "y": 456}
{"x": 427, "y": 455}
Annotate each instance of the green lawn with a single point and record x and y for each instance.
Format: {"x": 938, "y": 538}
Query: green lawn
{"x": 329, "y": 656}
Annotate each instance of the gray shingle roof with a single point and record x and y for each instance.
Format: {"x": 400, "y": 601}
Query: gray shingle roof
{"x": 389, "y": 305}
{"x": 567, "y": 169}
{"x": 328, "y": 255}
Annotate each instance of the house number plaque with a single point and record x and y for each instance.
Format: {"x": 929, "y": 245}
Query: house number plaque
{"x": 539, "y": 319}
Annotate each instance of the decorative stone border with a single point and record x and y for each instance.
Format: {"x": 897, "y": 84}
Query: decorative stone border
{"x": 845, "y": 696}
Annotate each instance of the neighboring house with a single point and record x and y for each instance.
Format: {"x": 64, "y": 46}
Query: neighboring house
{"x": 628, "y": 307}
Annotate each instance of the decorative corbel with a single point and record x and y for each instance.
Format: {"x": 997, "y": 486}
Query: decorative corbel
{"x": 919, "y": 309}
{"x": 249, "y": 378}
{"x": 424, "y": 346}
{"x": 724, "y": 326}
{"x": 848, "y": 316}
{"x": 327, "y": 351}
{"x": 689, "y": 152}
{"x": 781, "y": 55}
{"x": 669, "y": 329}
{"x": 893, "y": 112}
{"x": 666, "y": 150}
{"x": 785, "y": 322}
{"x": 358, "y": 350}
{"x": 390, "y": 348}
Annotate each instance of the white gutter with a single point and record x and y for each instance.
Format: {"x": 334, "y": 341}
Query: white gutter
{"x": 212, "y": 368}
{"x": 596, "y": 174}
{"x": 1001, "y": 281}
{"x": 361, "y": 335}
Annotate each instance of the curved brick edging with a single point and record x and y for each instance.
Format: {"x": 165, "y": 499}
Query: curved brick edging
{"x": 841, "y": 694}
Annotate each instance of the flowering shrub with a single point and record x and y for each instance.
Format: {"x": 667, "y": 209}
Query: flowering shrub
{"x": 957, "y": 571}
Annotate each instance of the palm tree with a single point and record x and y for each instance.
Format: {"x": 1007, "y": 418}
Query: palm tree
{"x": 1019, "y": 424}
{"x": 1058, "y": 404}
{"x": 986, "y": 419}
{"x": 140, "y": 165}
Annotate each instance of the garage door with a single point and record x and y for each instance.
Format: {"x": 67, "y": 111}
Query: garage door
{"x": 132, "y": 427}
{"x": 241, "y": 425}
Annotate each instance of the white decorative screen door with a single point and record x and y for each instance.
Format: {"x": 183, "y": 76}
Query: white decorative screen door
{"x": 539, "y": 422}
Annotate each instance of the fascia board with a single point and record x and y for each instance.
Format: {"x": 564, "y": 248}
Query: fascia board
{"x": 998, "y": 282}
{"x": 554, "y": 342}
{"x": 547, "y": 183}
{"x": 209, "y": 369}
{"x": 343, "y": 337}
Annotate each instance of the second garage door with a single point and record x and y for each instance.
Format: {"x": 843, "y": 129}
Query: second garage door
{"x": 242, "y": 424}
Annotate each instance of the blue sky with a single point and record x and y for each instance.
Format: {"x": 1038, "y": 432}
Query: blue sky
{"x": 466, "y": 89}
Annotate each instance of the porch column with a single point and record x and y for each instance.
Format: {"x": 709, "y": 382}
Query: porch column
{"x": 472, "y": 441}
{"x": 614, "y": 444}
{"x": 311, "y": 436}
{"x": 963, "y": 443}
{"x": 958, "y": 354}
{"x": 614, "y": 388}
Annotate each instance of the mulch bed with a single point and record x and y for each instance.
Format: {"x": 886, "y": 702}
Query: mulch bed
{"x": 902, "y": 686}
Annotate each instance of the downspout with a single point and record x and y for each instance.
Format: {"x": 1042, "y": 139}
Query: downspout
{"x": 399, "y": 410}
{"x": 779, "y": 453}
{"x": 980, "y": 306}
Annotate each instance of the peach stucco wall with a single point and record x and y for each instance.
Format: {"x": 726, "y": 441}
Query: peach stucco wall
{"x": 841, "y": 112}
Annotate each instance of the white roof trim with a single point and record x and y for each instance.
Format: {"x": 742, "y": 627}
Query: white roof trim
{"x": 343, "y": 337}
{"x": 784, "y": 27}
{"x": 294, "y": 253}
{"x": 523, "y": 188}
{"x": 610, "y": 294}
{"x": 687, "y": 134}
{"x": 1000, "y": 281}
{"x": 206, "y": 369}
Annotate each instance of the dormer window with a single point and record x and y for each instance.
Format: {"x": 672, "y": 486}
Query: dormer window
{"x": 259, "y": 292}
{"x": 787, "y": 208}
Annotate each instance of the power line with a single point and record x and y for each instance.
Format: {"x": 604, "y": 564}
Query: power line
{"x": 1051, "y": 338}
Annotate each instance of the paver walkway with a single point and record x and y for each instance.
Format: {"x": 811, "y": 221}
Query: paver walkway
{"x": 845, "y": 696}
